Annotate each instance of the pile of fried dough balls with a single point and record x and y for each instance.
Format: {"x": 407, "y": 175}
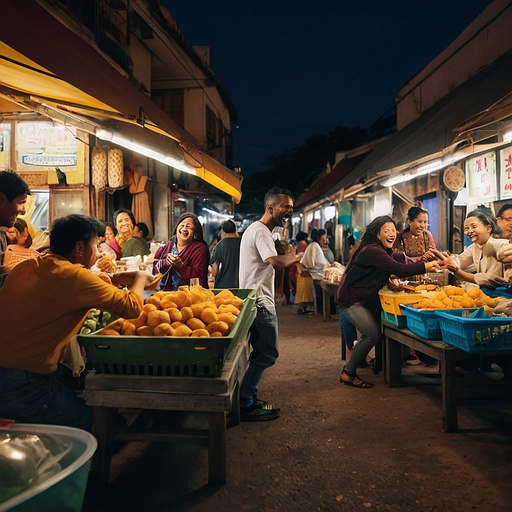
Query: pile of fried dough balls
{"x": 454, "y": 297}
{"x": 193, "y": 311}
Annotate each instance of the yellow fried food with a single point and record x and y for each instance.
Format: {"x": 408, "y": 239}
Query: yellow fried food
{"x": 154, "y": 300}
{"x": 140, "y": 320}
{"x": 208, "y": 316}
{"x": 474, "y": 293}
{"x": 229, "y": 308}
{"x": 158, "y": 317}
{"x": 215, "y": 334}
{"x": 196, "y": 323}
{"x": 128, "y": 329}
{"x": 198, "y": 333}
{"x": 109, "y": 332}
{"x": 186, "y": 313}
{"x": 197, "y": 309}
{"x": 181, "y": 299}
{"x": 175, "y": 315}
{"x": 144, "y": 330}
{"x": 163, "y": 330}
{"x": 149, "y": 307}
{"x": 182, "y": 331}
{"x": 229, "y": 318}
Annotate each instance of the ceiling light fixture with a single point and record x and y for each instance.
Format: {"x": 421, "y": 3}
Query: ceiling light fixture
{"x": 167, "y": 159}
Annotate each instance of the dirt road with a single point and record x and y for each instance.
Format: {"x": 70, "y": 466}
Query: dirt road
{"x": 334, "y": 447}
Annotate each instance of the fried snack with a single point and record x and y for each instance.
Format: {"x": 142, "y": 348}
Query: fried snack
{"x": 208, "y": 316}
{"x": 196, "y": 323}
{"x": 140, "y": 320}
{"x": 175, "y": 314}
{"x": 144, "y": 330}
{"x": 158, "y": 317}
{"x": 106, "y": 264}
{"x": 182, "y": 331}
{"x": 198, "y": 333}
{"x": 163, "y": 329}
{"x": 149, "y": 307}
{"x": 186, "y": 313}
{"x": 109, "y": 332}
{"x": 128, "y": 329}
{"x": 228, "y": 308}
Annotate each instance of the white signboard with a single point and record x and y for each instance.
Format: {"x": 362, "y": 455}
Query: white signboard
{"x": 481, "y": 178}
{"x": 45, "y": 145}
{"x": 506, "y": 173}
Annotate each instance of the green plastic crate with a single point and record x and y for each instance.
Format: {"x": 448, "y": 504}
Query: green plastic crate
{"x": 391, "y": 318}
{"x": 168, "y": 356}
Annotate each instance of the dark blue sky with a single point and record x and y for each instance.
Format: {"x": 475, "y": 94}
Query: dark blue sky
{"x": 298, "y": 68}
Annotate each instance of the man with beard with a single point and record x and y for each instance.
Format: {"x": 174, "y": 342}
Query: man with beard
{"x": 258, "y": 259}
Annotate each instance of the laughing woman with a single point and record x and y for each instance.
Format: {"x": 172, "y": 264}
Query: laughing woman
{"x": 184, "y": 256}
{"x": 368, "y": 270}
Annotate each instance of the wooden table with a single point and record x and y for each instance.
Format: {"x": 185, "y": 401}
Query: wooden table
{"x": 328, "y": 290}
{"x": 446, "y": 354}
{"x": 214, "y": 396}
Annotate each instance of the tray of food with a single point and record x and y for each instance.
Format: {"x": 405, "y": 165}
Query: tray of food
{"x": 184, "y": 333}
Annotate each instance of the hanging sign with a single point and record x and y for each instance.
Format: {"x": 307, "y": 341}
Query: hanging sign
{"x": 481, "y": 178}
{"x": 344, "y": 213}
{"x": 506, "y": 173}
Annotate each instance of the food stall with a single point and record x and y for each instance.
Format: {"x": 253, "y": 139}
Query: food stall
{"x": 187, "y": 352}
{"x": 450, "y": 325}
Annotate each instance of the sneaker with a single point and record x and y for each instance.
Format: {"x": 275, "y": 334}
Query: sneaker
{"x": 256, "y": 412}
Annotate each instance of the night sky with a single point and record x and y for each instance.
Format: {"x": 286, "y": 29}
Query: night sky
{"x": 298, "y": 68}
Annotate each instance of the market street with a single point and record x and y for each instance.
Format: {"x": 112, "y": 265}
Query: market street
{"x": 333, "y": 448}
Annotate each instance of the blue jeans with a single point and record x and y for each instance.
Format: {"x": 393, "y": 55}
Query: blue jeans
{"x": 29, "y": 397}
{"x": 348, "y": 334}
{"x": 265, "y": 351}
{"x": 367, "y": 322}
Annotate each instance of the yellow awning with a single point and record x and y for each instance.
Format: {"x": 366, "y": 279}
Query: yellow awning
{"x": 74, "y": 77}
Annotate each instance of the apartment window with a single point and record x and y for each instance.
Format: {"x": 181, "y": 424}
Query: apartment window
{"x": 214, "y": 129}
{"x": 172, "y": 102}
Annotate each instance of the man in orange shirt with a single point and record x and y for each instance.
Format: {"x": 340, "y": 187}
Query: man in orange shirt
{"x": 43, "y": 303}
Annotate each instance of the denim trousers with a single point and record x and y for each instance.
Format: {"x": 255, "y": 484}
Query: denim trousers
{"x": 28, "y": 397}
{"x": 367, "y": 322}
{"x": 265, "y": 351}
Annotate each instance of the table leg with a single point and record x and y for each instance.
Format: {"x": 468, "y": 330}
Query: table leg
{"x": 217, "y": 448}
{"x": 326, "y": 305}
{"x": 392, "y": 362}
{"x": 102, "y": 430}
{"x": 449, "y": 391}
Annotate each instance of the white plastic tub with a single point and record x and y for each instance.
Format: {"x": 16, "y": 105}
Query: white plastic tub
{"x": 64, "y": 491}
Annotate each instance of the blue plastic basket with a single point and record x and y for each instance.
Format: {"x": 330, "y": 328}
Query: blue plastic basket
{"x": 425, "y": 322}
{"x": 478, "y": 333}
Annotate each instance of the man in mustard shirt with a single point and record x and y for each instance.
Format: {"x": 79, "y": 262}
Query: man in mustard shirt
{"x": 43, "y": 303}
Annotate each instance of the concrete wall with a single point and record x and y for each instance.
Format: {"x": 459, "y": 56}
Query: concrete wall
{"x": 481, "y": 43}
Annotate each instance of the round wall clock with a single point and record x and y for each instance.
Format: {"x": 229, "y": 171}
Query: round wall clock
{"x": 454, "y": 178}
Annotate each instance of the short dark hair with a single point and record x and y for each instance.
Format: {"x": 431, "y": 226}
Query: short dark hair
{"x": 414, "y": 211}
{"x": 504, "y": 208}
{"x": 13, "y": 185}
{"x": 485, "y": 219}
{"x": 228, "y": 226}
{"x": 144, "y": 228}
{"x": 124, "y": 210}
{"x": 272, "y": 196}
{"x": 67, "y": 231}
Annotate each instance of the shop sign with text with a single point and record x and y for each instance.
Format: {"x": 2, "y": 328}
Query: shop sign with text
{"x": 506, "y": 173}
{"x": 481, "y": 178}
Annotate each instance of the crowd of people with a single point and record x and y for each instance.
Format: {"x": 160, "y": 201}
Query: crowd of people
{"x": 56, "y": 288}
